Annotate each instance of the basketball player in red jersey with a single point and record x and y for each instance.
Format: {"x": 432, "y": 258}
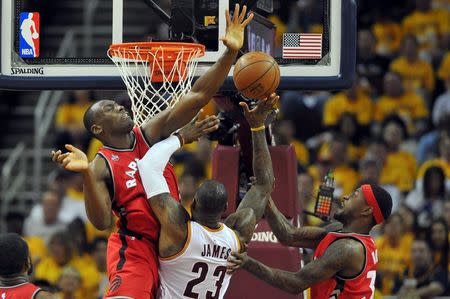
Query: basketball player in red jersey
{"x": 15, "y": 266}
{"x": 344, "y": 264}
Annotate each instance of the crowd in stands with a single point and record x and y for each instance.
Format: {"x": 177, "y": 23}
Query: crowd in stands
{"x": 392, "y": 128}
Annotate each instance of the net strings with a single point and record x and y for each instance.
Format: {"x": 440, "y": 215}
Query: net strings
{"x": 149, "y": 98}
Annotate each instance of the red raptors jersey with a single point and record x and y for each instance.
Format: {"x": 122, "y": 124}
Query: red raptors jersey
{"x": 359, "y": 287}
{"x": 129, "y": 201}
{"x": 21, "y": 291}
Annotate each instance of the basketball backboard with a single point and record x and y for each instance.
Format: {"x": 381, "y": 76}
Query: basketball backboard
{"x": 62, "y": 44}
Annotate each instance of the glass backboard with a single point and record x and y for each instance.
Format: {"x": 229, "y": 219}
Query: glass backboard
{"x": 62, "y": 44}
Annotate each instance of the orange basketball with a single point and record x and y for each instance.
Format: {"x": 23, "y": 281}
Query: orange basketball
{"x": 256, "y": 75}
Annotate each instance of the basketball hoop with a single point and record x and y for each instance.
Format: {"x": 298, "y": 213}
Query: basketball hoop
{"x": 156, "y": 74}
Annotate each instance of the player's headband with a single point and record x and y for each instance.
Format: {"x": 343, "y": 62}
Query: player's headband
{"x": 372, "y": 201}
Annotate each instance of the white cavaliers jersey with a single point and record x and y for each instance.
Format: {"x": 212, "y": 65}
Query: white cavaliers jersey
{"x": 199, "y": 269}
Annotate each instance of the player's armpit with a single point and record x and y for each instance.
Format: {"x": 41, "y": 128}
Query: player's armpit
{"x": 243, "y": 222}
{"x": 290, "y": 235}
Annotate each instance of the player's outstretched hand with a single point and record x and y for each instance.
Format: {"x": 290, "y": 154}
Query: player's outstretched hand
{"x": 197, "y": 128}
{"x": 234, "y": 37}
{"x": 73, "y": 160}
{"x": 236, "y": 261}
{"x": 257, "y": 116}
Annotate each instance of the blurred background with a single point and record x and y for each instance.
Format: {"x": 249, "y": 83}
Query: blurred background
{"x": 392, "y": 128}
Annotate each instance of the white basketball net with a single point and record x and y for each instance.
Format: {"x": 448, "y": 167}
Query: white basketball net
{"x": 149, "y": 98}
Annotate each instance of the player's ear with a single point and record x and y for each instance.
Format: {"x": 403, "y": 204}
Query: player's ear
{"x": 29, "y": 266}
{"x": 96, "y": 130}
{"x": 367, "y": 211}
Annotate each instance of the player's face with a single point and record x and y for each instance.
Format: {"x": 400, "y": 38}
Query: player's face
{"x": 349, "y": 207}
{"x": 114, "y": 118}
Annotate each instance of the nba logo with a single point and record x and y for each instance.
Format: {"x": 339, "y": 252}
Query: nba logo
{"x": 29, "y": 35}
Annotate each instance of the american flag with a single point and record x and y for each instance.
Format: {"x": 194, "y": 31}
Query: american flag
{"x": 302, "y": 46}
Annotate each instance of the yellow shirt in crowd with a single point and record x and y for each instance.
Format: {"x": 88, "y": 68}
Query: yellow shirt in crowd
{"x": 399, "y": 170}
{"x": 389, "y": 37}
{"x": 354, "y": 153}
{"x": 415, "y": 75}
{"x": 444, "y": 69}
{"x": 345, "y": 178}
{"x": 392, "y": 261}
{"x": 48, "y": 270}
{"x": 409, "y": 106}
{"x": 301, "y": 152}
{"x": 71, "y": 115}
{"x": 339, "y": 104}
{"x": 37, "y": 247}
{"x": 427, "y": 26}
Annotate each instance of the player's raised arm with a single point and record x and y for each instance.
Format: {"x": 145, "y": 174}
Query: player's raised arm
{"x": 171, "y": 215}
{"x": 252, "y": 206}
{"x": 343, "y": 257}
{"x": 290, "y": 235}
{"x": 168, "y": 121}
{"x": 96, "y": 196}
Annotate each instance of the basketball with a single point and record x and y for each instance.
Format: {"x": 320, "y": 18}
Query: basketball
{"x": 35, "y": 35}
{"x": 256, "y": 75}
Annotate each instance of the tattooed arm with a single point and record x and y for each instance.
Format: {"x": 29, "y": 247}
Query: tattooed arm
{"x": 343, "y": 257}
{"x": 251, "y": 208}
{"x": 288, "y": 234}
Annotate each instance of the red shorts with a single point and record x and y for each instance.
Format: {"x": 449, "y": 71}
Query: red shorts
{"x": 132, "y": 265}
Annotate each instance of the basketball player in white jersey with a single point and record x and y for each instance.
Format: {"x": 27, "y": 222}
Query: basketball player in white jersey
{"x": 193, "y": 251}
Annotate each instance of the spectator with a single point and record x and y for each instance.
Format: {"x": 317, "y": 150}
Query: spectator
{"x": 353, "y": 101}
{"x": 428, "y": 198}
{"x": 306, "y": 197}
{"x": 369, "y": 65}
{"x": 443, "y": 161}
{"x": 409, "y": 222}
{"x": 69, "y": 120}
{"x": 393, "y": 252}
{"x": 447, "y": 212}
{"x": 188, "y": 184}
{"x": 388, "y": 35}
{"x": 421, "y": 279}
{"x": 345, "y": 177}
{"x": 417, "y": 74}
{"x": 69, "y": 283}
{"x": 99, "y": 246}
{"x": 428, "y": 26}
{"x": 394, "y": 132}
{"x": 62, "y": 255}
{"x": 444, "y": 69}
{"x": 395, "y": 100}
{"x": 438, "y": 239}
{"x": 370, "y": 171}
{"x": 46, "y": 220}
{"x": 428, "y": 147}
{"x": 441, "y": 108}
{"x": 284, "y": 134}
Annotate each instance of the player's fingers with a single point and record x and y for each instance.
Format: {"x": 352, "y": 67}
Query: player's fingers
{"x": 248, "y": 20}
{"x": 210, "y": 129}
{"x": 243, "y": 12}
{"x": 61, "y": 157}
{"x": 55, "y": 155}
{"x": 237, "y": 8}
{"x": 66, "y": 162}
{"x": 228, "y": 17}
{"x": 244, "y": 106}
{"x": 71, "y": 148}
{"x": 197, "y": 116}
{"x": 207, "y": 122}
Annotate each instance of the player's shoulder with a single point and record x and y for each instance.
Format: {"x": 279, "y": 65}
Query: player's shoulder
{"x": 99, "y": 167}
{"x": 348, "y": 247}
